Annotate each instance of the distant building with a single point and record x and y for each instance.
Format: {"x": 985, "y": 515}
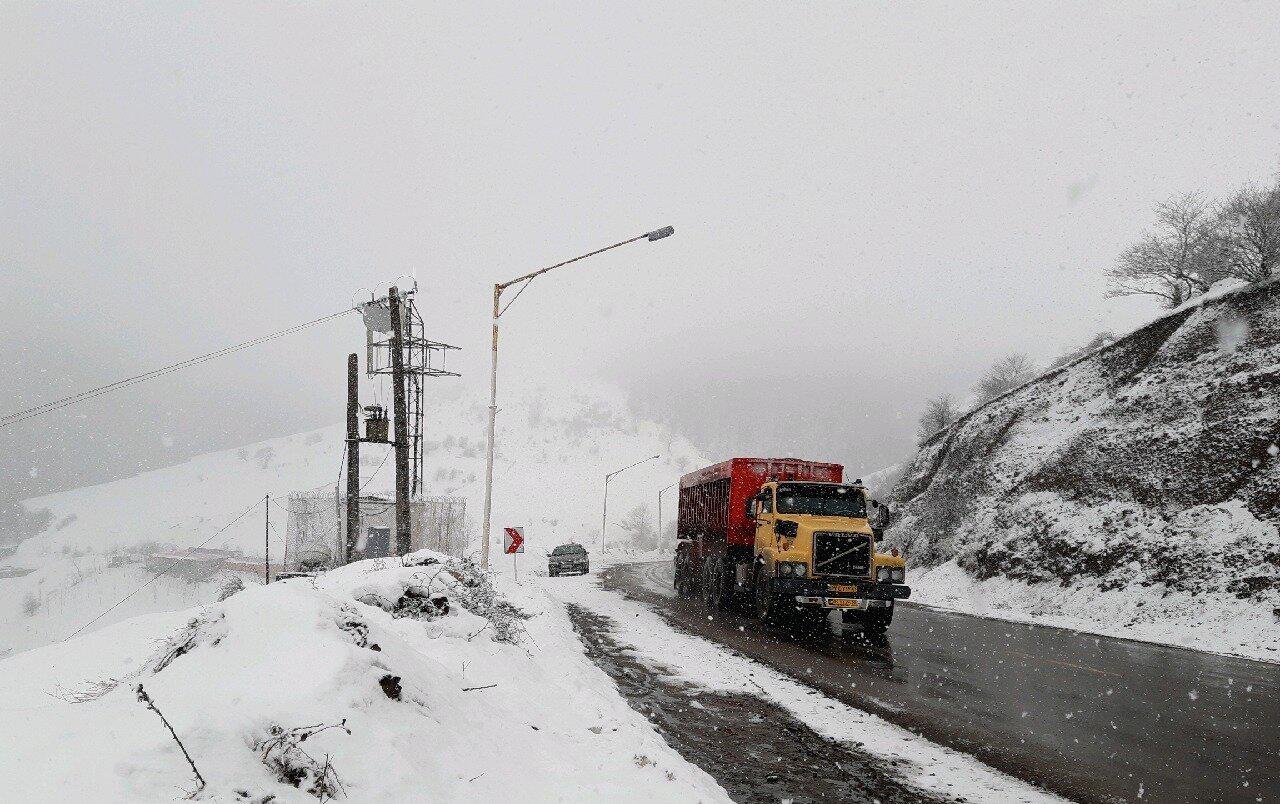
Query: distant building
{"x": 203, "y": 563}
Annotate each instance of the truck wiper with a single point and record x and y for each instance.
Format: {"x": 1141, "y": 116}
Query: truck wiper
{"x": 838, "y": 556}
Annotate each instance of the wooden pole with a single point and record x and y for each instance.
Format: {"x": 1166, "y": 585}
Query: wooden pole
{"x": 401, "y": 411}
{"x": 266, "y": 541}
{"x": 353, "y": 457}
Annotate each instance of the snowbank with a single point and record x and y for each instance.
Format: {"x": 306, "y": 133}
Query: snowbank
{"x": 420, "y": 705}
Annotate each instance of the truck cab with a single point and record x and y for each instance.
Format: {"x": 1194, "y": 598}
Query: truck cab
{"x": 815, "y": 550}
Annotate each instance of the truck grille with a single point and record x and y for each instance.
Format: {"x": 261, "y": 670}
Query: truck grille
{"x": 836, "y": 553}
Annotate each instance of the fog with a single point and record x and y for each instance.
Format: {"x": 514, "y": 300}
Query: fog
{"x": 871, "y": 203}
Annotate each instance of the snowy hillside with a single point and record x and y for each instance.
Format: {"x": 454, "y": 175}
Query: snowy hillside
{"x": 553, "y": 449}
{"x": 1135, "y": 491}
{"x": 374, "y": 682}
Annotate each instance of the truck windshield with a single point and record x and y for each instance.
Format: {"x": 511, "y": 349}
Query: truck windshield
{"x": 567, "y": 550}
{"x": 821, "y": 500}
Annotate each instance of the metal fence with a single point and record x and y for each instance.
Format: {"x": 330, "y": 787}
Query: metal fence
{"x": 315, "y": 536}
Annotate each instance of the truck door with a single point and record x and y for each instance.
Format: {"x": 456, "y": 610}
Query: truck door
{"x": 766, "y": 541}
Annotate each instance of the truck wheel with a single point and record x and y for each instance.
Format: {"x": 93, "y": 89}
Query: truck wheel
{"x": 877, "y": 621}
{"x": 808, "y": 620}
{"x": 766, "y": 605}
{"x": 711, "y": 583}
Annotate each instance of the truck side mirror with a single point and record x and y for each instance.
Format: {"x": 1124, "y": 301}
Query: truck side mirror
{"x": 882, "y": 516}
{"x": 750, "y": 508}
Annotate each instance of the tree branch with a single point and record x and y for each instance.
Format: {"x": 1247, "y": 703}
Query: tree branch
{"x": 146, "y": 699}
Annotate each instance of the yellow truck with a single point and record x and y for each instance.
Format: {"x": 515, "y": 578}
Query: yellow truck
{"x": 786, "y": 537}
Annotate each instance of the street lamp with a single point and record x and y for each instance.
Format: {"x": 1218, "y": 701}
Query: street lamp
{"x": 498, "y": 310}
{"x": 604, "y": 519}
{"x": 660, "y": 492}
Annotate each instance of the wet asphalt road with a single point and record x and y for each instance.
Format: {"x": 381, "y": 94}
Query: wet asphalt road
{"x": 1092, "y": 718}
{"x": 755, "y": 749}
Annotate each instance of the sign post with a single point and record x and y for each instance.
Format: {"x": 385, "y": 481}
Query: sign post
{"x": 513, "y": 543}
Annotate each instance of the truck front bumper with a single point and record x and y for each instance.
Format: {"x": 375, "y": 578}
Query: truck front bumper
{"x": 838, "y": 594}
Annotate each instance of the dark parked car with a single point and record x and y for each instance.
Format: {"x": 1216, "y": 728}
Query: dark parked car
{"x": 568, "y": 559}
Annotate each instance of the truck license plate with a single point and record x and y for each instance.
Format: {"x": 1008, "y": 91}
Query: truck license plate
{"x": 842, "y": 603}
{"x": 847, "y": 589}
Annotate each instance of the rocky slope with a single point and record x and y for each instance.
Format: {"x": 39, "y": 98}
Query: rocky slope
{"x": 1133, "y": 491}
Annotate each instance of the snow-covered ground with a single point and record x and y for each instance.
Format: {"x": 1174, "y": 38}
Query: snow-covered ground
{"x": 554, "y": 446}
{"x": 431, "y": 709}
{"x": 922, "y": 764}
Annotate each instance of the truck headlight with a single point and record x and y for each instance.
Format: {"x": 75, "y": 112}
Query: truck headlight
{"x": 796, "y": 568}
{"x": 884, "y": 574}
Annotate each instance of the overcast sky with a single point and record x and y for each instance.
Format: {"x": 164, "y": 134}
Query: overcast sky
{"x": 872, "y": 202}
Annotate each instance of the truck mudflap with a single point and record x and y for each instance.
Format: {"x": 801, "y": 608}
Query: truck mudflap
{"x": 813, "y": 590}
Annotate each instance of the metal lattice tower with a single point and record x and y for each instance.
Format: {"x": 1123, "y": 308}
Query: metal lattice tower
{"x": 422, "y": 358}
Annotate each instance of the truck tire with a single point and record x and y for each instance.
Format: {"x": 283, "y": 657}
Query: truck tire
{"x": 766, "y": 603}
{"x": 875, "y": 621}
{"x": 878, "y": 620}
{"x": 712, "y": 584}
{"x": 809, "y": 620}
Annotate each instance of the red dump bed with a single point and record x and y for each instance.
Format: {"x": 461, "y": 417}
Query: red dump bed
{"x": 712, "y": 500}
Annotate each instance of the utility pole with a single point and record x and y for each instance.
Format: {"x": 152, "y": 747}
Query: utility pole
{"x": 493, "y": 415}
{"x": 353, "y": 456}
{"x": 498, "y": 310}
{"x": 266, "y": 542}
{"x": 604, "y": 516}
{"x": 401, "y": 413}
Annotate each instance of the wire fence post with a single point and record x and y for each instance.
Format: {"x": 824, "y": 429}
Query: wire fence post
{"x": 266, "y": 541}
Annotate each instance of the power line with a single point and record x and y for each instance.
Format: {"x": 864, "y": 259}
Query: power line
{"x": 49, "y": 407}
{"x": 171, "y": 565}
{"x": 370, "y": 478}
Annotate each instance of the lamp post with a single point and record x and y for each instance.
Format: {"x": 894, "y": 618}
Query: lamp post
{"x": 498, "y": 310}
{"x": 604, "y": 517}
{"x": 660, "y": 493}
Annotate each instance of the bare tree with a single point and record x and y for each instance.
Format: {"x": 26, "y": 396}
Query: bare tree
{"x": 638, "y": 524}
{"x": 938, "y": 413}
{"x": 1250, "y": 224}
{"x": 1180, "y": 259}
{"x": 1008, "y": 373}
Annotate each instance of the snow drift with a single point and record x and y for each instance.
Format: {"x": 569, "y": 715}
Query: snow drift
{"x": 336, "y": 687}
{"x": 1134, "y": 491}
